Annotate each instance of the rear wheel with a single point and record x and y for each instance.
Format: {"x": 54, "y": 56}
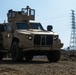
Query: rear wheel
{"x": 16, "y": 52}
{"x": 53, "y": 56}
{"x": 28, "y": 58}
{"x": 1, "y": 41}
{"x": 1, "y": 55}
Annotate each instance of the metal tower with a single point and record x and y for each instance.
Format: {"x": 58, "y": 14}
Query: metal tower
{"x": 73, "y": 33}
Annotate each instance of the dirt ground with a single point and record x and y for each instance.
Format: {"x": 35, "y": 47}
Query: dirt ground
{"x": 37, "y": 67}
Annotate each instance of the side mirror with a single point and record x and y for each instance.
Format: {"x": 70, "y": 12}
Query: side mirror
{"x": 49, "y": 28}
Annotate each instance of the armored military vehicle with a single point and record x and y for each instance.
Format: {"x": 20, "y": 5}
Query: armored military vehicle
{"x": 24, "y": 39}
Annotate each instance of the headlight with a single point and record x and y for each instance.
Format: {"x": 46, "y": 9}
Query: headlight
{"x": 55, "y": 37}
{"x": 29, "y": 37}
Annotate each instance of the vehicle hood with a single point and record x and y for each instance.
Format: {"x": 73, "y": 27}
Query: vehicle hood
{"x": 30, "y": 31}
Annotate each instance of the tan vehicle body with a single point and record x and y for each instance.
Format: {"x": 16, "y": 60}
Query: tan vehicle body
{"x": 24, "y": 42}
{"x": 29, "y": 39}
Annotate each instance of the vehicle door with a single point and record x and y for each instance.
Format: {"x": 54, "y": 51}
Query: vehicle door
{"x": 7, "y": 36}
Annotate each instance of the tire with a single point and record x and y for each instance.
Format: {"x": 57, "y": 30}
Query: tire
{"x": 53, "y": 56}
{"x": 1, "y": 41}
{"x": 28, "y": 58}
{"x": 16, "y": 52}
{"x": 1, "y": 56}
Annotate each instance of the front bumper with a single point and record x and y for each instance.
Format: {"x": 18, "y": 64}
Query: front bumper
{"x": 38, "y": 48}
{"x": 48, "y": 48}
{"x": 58, "y": 46}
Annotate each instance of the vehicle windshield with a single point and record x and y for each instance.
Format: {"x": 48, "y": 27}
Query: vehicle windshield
{"x": 36, "y": 26}
{"x": 22, "y": 25}
{"x": 31, "y": 26}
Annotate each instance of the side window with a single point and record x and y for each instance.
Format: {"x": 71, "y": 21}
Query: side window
{"x": 5, "y": 28}
{"x": 1, "y": 28}
{"x": 9, "y": 28}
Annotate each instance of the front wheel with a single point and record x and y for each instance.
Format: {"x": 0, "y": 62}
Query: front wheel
{"x": 53, "y": 56}
{"x": 16, "y": 52}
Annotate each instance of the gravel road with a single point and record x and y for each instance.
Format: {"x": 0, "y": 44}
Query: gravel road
{"x": 37, "y": 67}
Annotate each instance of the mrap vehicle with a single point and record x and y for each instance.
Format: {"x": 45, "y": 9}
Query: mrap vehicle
{"x": 24, "y": 39}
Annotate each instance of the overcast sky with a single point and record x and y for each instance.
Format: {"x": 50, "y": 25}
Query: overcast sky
{"x": 48, "y": 12}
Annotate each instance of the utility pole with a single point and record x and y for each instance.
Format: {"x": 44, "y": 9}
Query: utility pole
{"x": 73, "y": 33}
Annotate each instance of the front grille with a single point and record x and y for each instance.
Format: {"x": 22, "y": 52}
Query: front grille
{"x": 43, "y": 40}
{"x": 37, "y": 39}
{"x": 49, "y": 40}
